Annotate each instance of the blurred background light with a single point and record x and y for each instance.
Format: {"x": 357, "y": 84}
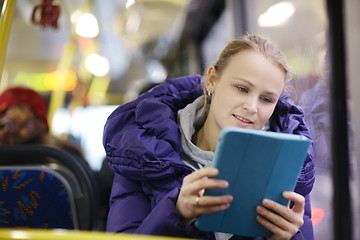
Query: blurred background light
{"x": 97, "y": 65}
{"x": 276, "y": 15}
{"x": 129, "y": 3}
{"x": 87, "y": 125}
{"x": 75, "y": 16}
{"x": 61, "y": 122}
{"x": 156, "y": 72}
{"x": 133, "y": 23}
{"x": 56, "y": 80}
{"x": 87, "y": 26}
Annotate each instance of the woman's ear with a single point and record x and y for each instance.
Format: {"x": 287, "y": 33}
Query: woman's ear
{"x": 210, "y": 79}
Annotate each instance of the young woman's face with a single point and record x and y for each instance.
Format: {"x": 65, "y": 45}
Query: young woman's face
{"x": 246, "y": 92}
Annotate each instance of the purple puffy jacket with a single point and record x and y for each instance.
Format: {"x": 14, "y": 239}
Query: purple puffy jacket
{"x": 142, "y": 144}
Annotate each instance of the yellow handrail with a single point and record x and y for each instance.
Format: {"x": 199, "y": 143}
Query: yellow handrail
{"x": 7, "y": 13}
{"x": 62, "y": 234}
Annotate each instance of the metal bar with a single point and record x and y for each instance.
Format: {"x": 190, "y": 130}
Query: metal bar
{"x": 242, "y": 16}
{"x": 340, "y": 150}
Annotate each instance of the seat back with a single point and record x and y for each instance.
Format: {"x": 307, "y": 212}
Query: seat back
{"x": 74, "y": 179}
{"x": 36, "y": 197}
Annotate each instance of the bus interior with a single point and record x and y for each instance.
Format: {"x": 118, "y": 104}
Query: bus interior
{"x": 87, "y": 57}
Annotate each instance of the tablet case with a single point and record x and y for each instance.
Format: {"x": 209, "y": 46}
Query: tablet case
{"x": 257, "y": 164}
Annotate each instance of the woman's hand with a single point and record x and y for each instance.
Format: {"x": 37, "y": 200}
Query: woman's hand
{"x": 282, "y": 221}
{"x": 191, "y": 202}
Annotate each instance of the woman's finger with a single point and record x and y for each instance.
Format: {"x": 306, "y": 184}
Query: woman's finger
{"x": 282, "y": 221}
{"x": 198, "y": 181}
{"x": 278, "y": 232}
{"x": 275, "y": 223}
{"x": 191, "y": 201}
{"x": 201, "y": 173}
{"x": 207, "y": 183}
{"x": 294, "y": 215}
{"x": 274, "y": 218}
{"x": 208, "y": 201}
{"x": 299, "y": 201}
{"x": 209, "y": 204}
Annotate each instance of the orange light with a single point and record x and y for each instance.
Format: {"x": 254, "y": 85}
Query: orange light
{"x": 57, "y": 80}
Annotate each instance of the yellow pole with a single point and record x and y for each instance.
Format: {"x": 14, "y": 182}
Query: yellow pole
{"x": 7, "y": 13}
{"x": 58, "y": 95}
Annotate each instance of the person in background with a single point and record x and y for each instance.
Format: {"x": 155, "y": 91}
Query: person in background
{"x": 161, "y": 145}
{"x": 23, "y": 120}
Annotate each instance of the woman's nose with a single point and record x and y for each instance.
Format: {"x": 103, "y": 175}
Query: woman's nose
{"x": 251, "y": 106}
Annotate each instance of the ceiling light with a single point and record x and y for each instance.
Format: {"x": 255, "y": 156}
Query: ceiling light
{"x": 277, "y": 14}
{"x": 97, "y": 65}
{"x": 129, "y": 3}
{"x": 87, "y": 26}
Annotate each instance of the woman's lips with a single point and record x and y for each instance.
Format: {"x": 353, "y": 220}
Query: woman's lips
{"x": 244, "y": 120}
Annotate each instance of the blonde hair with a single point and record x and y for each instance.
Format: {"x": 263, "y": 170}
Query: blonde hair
{"x": 257, "y": 44}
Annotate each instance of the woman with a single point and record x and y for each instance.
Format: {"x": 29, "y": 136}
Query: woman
{"x": 160, "y": 146}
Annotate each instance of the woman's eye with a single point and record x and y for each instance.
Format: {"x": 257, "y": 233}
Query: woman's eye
{"x": 241, "y": 89}
{"x": 265, "y": 99}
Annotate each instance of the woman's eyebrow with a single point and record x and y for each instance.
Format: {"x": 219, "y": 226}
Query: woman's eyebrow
{"x": 243, "y": 80}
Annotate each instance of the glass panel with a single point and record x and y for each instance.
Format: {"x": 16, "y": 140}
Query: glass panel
{"x": 299, "y": 29}
{"x": 352, "y": 37}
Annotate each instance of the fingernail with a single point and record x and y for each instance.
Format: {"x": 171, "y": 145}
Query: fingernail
{"x": 259, "y": 209}
{"x": 229, "y": 198}
{"x": 285, "y": 194}
{"x": 226, "y": 206}
{"x": 266, "y": 202}
{"x": 225, "y": 183}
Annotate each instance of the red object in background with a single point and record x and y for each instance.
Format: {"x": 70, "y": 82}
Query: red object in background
{"x": 317, "y": 215}
{"x": 25, "y": 96}
{"x": 49, "y": 14}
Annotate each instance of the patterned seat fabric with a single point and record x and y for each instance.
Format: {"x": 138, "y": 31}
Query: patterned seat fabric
{"x": 34, "y": 199}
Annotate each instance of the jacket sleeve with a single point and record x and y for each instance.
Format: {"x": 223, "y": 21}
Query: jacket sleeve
{"x": 131, "y": 212}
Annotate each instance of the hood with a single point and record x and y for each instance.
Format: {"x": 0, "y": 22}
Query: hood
{"x": 141, "y": 138}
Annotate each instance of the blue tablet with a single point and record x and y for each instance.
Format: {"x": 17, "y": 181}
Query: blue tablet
{"x": 257, "y": 164}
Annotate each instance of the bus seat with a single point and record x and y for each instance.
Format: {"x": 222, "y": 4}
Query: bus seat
{"x": 36, "y": 197}
{"x": 73, "y": 175}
